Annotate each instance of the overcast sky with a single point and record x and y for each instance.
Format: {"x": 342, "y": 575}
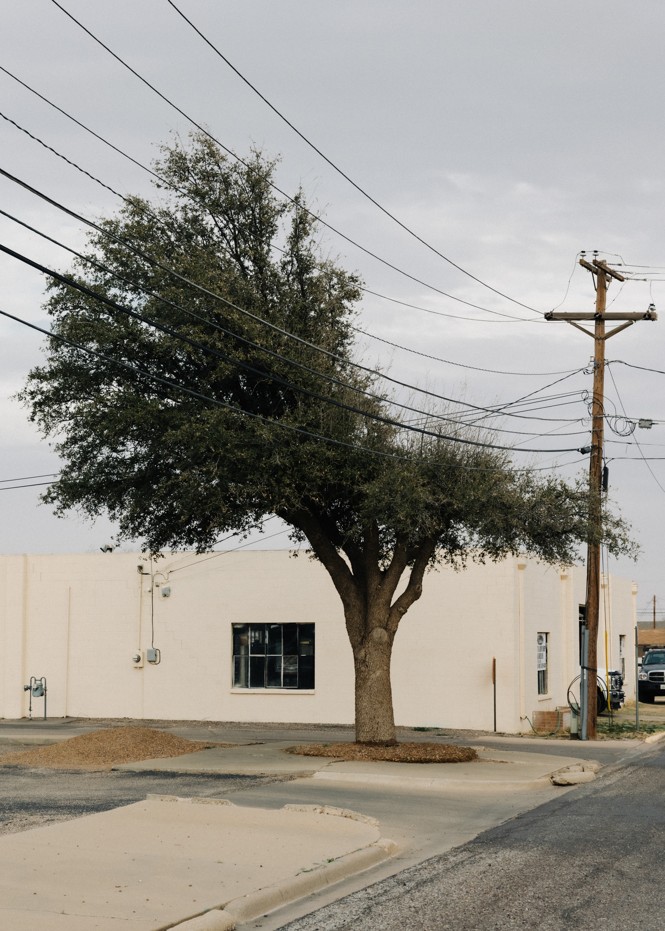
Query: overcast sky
{"x": 508, "y": 135}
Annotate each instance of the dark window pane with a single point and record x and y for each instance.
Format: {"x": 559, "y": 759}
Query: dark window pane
{"x": 257, "y": 672}
{"x": 290, "y": 672}
{"x": 306, "y": 637}
{"x": 275, "y": 639}
{"x": 273, "y": 656}
{"x": 274, "y": 672}
{"x": 240, "y": 671}
{"x": 306, "y": 672}
{"x": 240, "y": 639}
{"x": 290, "y": 639}
{"x": 257, "y": 638}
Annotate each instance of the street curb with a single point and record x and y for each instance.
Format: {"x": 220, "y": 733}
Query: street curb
{"x": 251, "y": 906}
{"x": 411, "y": 782}
{"x": 654, "y": 738}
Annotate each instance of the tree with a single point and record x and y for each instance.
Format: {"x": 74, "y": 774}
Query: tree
{"x": 200, "y": 377}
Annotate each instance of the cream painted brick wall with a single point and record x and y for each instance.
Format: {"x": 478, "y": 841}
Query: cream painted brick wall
{"x": 77, "y": 619}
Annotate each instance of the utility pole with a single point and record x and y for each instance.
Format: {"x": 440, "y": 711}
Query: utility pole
{"x": 602, "y": 277}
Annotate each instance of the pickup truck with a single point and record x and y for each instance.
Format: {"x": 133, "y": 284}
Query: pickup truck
{"x": 651, "y": 676}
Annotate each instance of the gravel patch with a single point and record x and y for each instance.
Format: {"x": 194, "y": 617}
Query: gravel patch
{"x": 105, "y": 748}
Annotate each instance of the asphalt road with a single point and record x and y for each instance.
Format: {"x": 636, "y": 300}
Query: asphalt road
{"x": 592, "y": 860}
{"x": 34, "y": 797}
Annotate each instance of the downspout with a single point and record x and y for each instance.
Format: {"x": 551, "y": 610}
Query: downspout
{"x": 567, "y": 621}
{"x": 68, "y": 648}
{"x": 521, "y": 624}
{"x": 25, "y": 622}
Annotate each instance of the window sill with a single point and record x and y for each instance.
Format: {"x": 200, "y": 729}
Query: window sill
{"x": 275, "y": 691}
{"x": 544, "y": 698}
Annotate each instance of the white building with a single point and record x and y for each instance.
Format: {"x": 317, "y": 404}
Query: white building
{"x": 259, "y": 636}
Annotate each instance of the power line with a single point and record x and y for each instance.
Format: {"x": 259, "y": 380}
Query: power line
{"x": 114, "y": 305}
{"x": 226, "y": 405}
{"x": 464, "y": 365}
{"x": 166, "y": 183}
{"x": 343, "y": 174}
{"x": 33, "y": 485}
{"x": 641, "y": 368}
{"x": 60, "y": 155}
{"x": 288, "y": 197}
{"x": 139, "y": 252}
{"x": 644, "y": 458}
{"x": 233, "y": 549}
{"x": 442, "y": 313}
{"x": 169, "y": 331}
{"x": 198, "y": 395}
{"x": 27, "y": 478}
{"x": 126, "y": 200}
{"x": 427, "y": 415}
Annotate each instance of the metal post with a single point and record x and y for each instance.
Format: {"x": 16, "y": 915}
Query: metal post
{"x": 584, "y": 678}
{"x": 494, "y": 688}
{"x": 637, "y": 682}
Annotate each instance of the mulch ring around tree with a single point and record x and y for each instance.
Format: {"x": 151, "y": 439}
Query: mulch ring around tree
{"x": 400, "y": 753}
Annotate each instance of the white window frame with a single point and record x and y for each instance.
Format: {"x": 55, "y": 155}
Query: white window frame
{"x": 542, "y": 662}
{"x": 259, "y": 661}
{"x": 622, "y": 654}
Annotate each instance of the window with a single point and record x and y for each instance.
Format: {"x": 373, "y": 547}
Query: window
{"x": 622, "y": 654}
{"x": 273, "y": 656}
{"x": 542, "y": 641}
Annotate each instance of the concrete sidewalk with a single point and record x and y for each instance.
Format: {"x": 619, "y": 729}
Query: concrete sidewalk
{"x": 170, "y": 862}
{"x": 494, "y": 767}
{"x": 206, "y": 865}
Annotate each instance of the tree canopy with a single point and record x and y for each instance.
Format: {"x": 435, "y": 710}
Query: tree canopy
{"x": 201, "y": 377}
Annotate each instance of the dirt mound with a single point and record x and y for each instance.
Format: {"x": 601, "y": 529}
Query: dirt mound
{"x": 105, "y": 748}
{"x": 401, "y": 753}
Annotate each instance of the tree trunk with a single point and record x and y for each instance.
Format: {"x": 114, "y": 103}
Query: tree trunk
{"x": 375, "y": 721}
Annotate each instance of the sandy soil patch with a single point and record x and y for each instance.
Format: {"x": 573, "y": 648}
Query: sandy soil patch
{"x": 401, "y": 753}
{"x": 105, "y": 748}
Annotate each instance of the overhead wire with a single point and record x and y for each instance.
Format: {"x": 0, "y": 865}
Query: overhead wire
{"x": 127, "y": 200}
{"x": 31, "y": 485}
{"x": 169, "y": 184}
{"x": 71, "y": 163}
{"x": 163, "y": 181}
{"x": 503, "y": 408}
{"x": 644, "y": 458}
{"x": 342, "y": 173}
{"x": 444, "y": 313}
{"x": 115, "y": 192}
{"x": 642, "y": 368}
{"x": 282, "y": 193}
{"x": 27, "y": 478}
{"x": 141, "y": 253}
{"x": 198, "y": 395}
{"x": 430, "y": 415}
{"x": 464, "y": 365}
{"x": 233, "y": 549}
{"x": 275, "y": 378}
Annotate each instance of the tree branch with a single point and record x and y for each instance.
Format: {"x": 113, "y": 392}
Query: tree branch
{"x": 414, "y": 587}
{"x": 327, "y": 553}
